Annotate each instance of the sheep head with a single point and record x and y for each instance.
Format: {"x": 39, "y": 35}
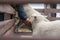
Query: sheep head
{"x": 36, "y": 17}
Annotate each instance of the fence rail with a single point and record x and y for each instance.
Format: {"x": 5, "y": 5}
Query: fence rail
{"x": 48, "y": 12}
{"x": 29, "y": 1}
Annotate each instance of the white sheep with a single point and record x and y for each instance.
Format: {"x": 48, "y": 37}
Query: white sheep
{"x": 44, "y": 29}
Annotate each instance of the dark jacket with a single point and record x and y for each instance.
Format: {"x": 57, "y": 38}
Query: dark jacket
{"x": 21, "y": 12}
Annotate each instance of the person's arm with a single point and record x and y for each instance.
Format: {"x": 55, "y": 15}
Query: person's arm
{"x": 22, "y": 13}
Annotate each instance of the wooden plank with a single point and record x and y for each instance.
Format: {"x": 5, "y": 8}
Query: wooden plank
{"x": 40, "y": 10}
{"x": 49, "y": 10}
{"x": 16, "y": 38}
{"x": 7, "y": 16}
{"x": 53, "y": 18}
{"x": 52, "y": 10}
{"x": 30, "y": 1}
{"x": 6, "y": 8}
{"x": 5, "y": 25}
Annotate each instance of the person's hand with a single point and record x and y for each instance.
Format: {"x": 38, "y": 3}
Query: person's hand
{"x": 28, "y": 23}
{"x": 28, "y": 20}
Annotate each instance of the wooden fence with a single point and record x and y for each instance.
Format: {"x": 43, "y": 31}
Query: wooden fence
{"x": 48, "y": 12}
{"x": 7, "y": 31}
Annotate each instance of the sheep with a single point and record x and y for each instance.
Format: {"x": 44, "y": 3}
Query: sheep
{"x": 44, "y": 29}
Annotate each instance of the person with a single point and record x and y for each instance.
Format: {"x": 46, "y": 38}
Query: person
{"x": 21, "y": 13}
{"x": 23, "y": 16}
